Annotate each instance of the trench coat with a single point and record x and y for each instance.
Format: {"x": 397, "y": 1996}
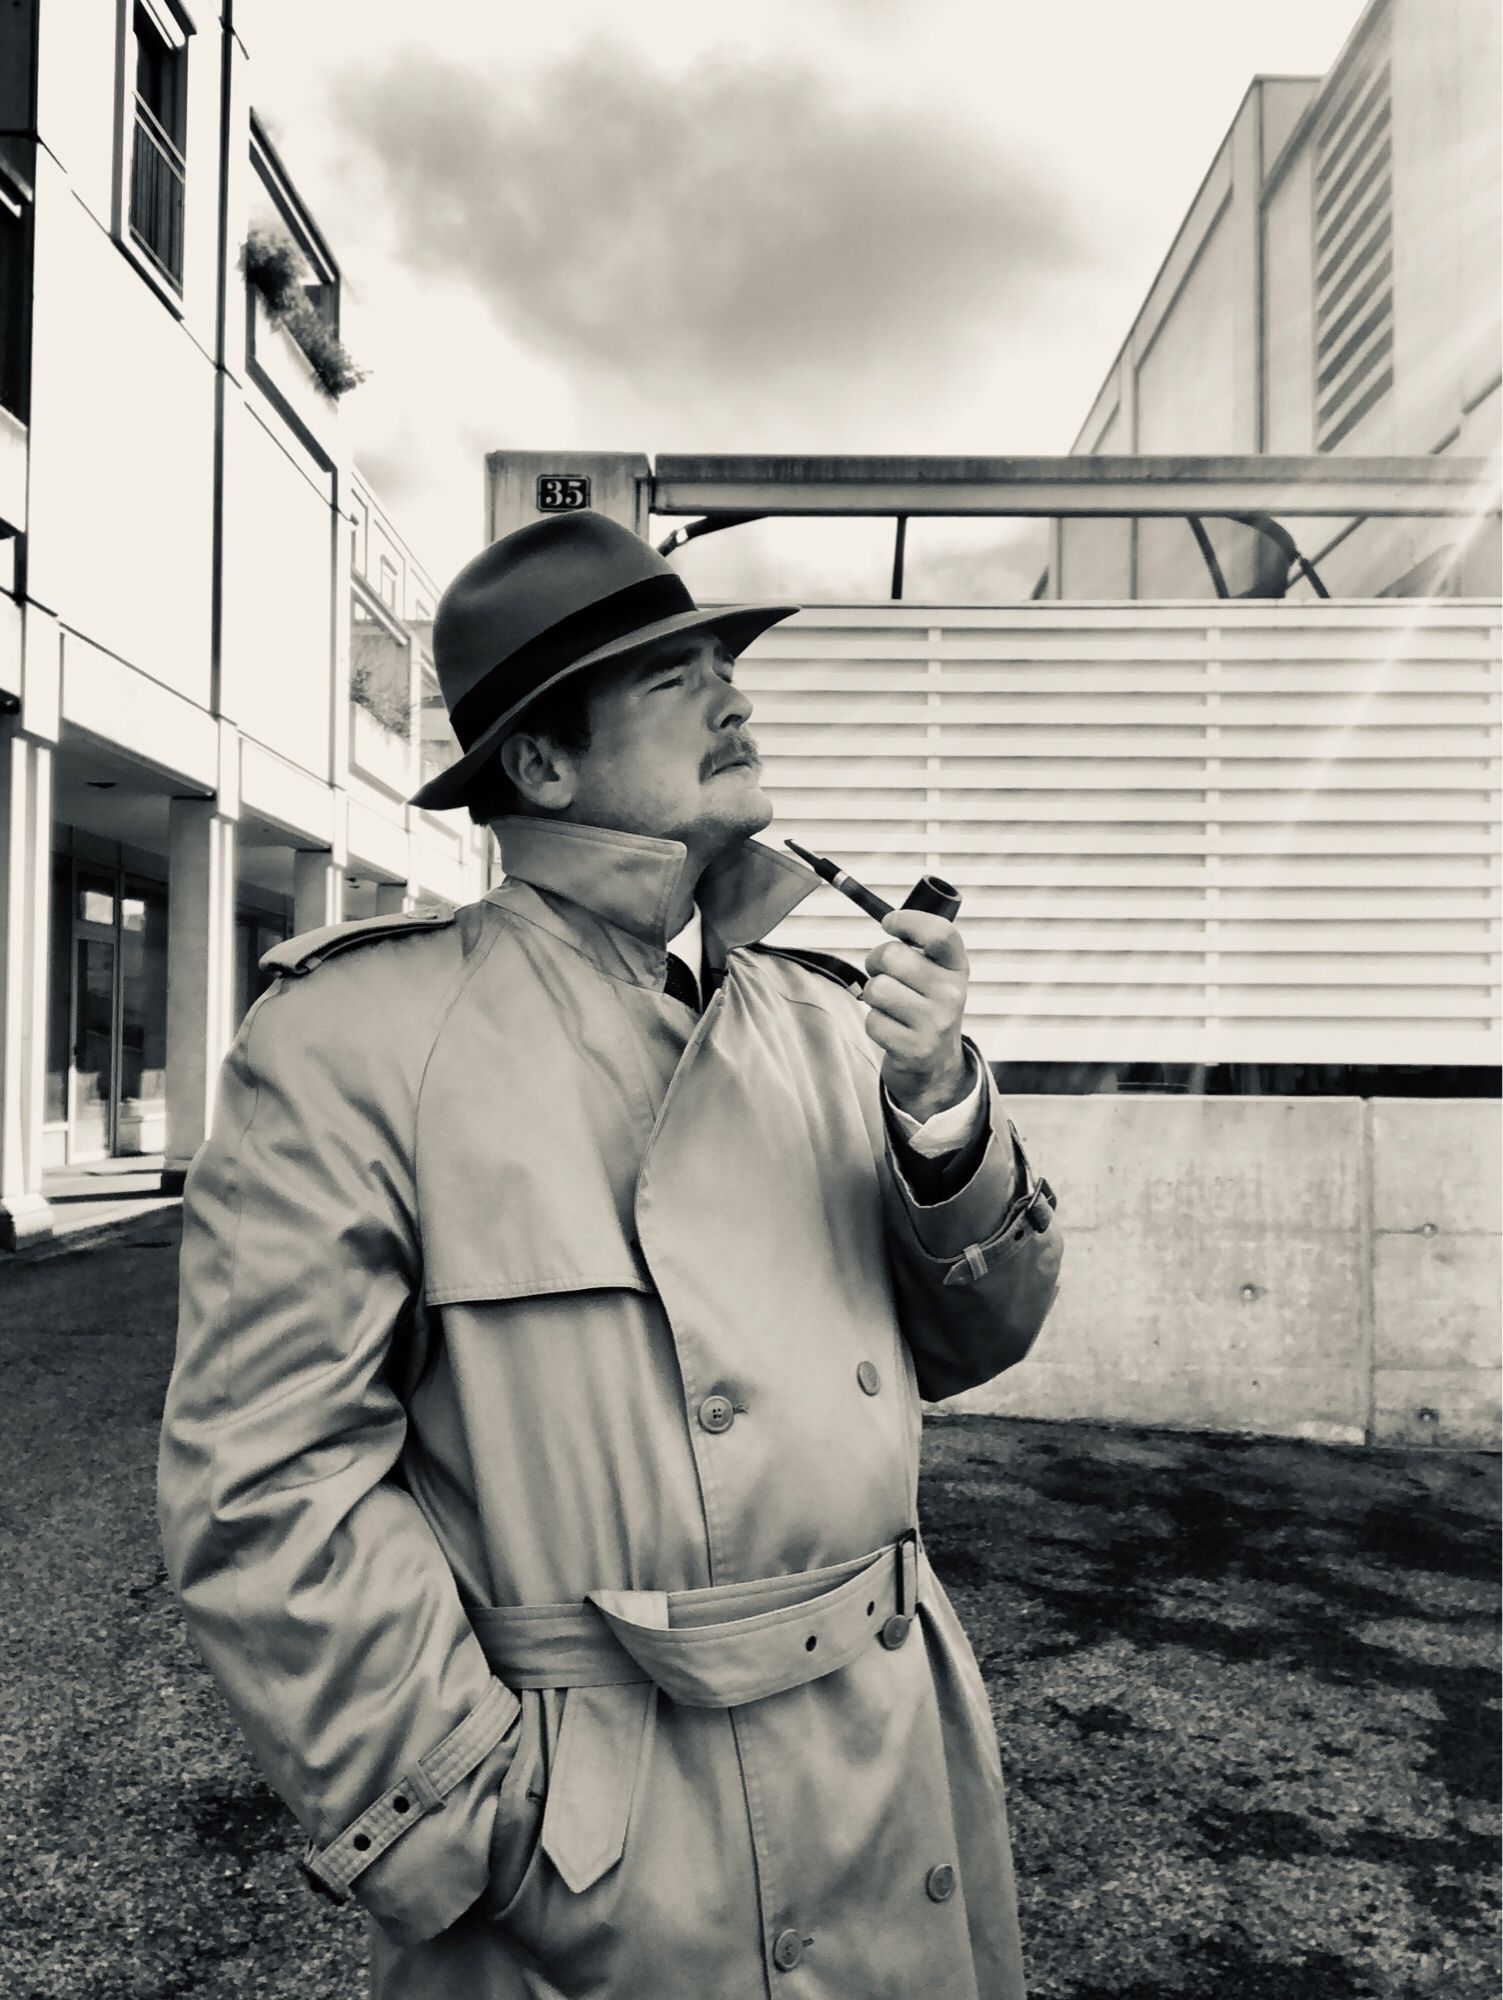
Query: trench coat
{"x": 538, "y": 1468}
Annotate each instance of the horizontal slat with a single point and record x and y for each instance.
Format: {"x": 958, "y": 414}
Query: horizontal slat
{"x": 1156, "y": 812}
{"x": 1183, "y": 1043}
{"x": 1289, "y": 971}
{"x": 1284, "y": 714}
{"x": 1053, "y": 710}
{"x": 1168, "y": 1002}
{"x": 971, "y": 852}
{"x": 1286, "y": 634}
{"x": 1131, "y": 779}
{"x": 1075, "y": 922}
{"x": 1352, "y": 949}
{"x": 1411, "y": 750}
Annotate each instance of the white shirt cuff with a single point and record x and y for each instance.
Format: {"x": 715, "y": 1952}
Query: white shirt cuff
{"x": 946, "y": 1131}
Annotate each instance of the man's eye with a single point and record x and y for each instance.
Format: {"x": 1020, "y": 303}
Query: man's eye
{"x": 676, "y": 680}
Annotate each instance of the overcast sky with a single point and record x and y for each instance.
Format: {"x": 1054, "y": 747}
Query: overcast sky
{"x": 748, "y": 225}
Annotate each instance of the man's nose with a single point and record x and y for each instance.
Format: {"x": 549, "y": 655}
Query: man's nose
{"x": 733, "y": 707}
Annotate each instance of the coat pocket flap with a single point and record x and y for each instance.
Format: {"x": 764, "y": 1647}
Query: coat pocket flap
{"x": 490, "y": 1280}
{"x": 605, "y": 1737}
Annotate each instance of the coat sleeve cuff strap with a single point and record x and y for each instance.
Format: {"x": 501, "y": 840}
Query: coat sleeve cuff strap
{"x": 419, "y": 1791}
{"x": 1032, "y": 1208}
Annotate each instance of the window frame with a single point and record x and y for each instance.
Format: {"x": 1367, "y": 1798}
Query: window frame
{"x": 304, "y": 232}
{"x": 173, "y": 29}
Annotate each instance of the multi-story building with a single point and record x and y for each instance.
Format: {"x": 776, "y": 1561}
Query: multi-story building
{"x": 1334, "y": 288}
{"x": 214, "y": 670}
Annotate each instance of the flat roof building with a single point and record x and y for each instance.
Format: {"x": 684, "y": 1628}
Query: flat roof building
{"x": 216, "y": 693}
{"x": 1335, "y": 287}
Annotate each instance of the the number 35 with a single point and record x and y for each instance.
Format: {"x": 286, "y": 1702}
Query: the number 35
{"x": 559, "y": 493}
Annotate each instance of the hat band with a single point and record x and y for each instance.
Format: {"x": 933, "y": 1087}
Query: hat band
{"x": 521, "y": 674}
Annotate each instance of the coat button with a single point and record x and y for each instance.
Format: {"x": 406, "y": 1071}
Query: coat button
{"x": 787, "y": 1950}
{"x": 868, "y": 1377}
{"x": 939, "y": 1883}
{"x": 895, "y": 1631}
{"x": 716, "y": 1414}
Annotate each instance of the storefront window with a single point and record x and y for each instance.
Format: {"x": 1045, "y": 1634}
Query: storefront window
{"x": 94, "y": 967}
{"x": 255, "y": 933}
{"x": 59, "y": 989}
{"x": 142, "y": 1125}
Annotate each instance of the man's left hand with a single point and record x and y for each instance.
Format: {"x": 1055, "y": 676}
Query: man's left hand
{"x": 916, "y": 994}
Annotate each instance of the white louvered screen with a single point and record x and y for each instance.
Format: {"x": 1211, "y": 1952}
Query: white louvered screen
{"x": 1240, "y": 833}
{"x": 1354, "y": 249}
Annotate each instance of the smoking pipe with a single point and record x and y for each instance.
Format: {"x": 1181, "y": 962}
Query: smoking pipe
{"x": 930, "y": 892}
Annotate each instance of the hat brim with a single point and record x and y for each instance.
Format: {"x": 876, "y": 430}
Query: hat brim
{"x": 736, "y": 627}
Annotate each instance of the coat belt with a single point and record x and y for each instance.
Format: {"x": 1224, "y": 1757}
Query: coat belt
{"x": 715, "y": 1648}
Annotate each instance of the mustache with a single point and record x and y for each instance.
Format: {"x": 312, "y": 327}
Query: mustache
{"x": 742, "y": 750}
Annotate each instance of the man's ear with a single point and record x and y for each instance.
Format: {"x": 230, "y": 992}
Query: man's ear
{"x": 543, "y": 774}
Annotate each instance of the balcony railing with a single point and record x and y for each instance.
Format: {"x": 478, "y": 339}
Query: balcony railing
{"x": 156, "y": 196}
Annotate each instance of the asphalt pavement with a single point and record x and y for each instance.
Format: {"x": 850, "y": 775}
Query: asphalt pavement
{"x": 1246, "y": 1691}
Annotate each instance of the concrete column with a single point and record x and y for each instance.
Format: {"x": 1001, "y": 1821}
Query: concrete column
{"x": 25, "y": 902}
{"x": 317, "y": 890}
{"x": 391, "y": 899}
{"x": 200, "y": 974}
{"x": 523, "y": 486}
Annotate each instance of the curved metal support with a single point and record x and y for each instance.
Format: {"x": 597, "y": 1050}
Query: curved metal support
{"x": 1271, "y": 530}
{"x": 711, "y": 524}
{"x": 1281, "y": 537}
{"x": 1203, "y": 543}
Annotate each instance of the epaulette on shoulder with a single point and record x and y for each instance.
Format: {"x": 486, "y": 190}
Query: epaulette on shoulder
{"x": 297, "y": 955}
{"x": 818, "y": 961}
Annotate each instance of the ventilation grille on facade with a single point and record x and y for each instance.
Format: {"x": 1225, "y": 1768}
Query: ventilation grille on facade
{"x": 1353, "y": 253}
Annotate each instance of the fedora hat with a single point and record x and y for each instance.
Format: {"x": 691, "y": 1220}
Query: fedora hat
{"x": 564, "y": 593}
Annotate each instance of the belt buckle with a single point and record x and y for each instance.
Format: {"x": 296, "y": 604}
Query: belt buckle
{"x": 896, "y": 1629}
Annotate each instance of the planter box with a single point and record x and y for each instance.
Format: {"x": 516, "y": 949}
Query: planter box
{"x": 287, "y": 371}
{"x": 379, "y": 755}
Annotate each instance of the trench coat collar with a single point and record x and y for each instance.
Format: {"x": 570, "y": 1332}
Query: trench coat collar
{"x": 625, "y": 884}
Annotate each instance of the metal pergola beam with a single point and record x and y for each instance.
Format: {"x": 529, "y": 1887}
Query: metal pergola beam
{"x": 1324, "y": 484}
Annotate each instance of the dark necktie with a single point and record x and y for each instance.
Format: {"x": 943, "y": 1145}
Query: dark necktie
{"x": 681, "y": 983}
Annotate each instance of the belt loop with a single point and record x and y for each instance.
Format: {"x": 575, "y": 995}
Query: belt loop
{"x": 908, "y": 1572}
{"x": 895, "y": 1631}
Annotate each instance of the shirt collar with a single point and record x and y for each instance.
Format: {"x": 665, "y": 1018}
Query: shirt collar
{"x": 630, "y": 881}
{"x": 689, "y": 944}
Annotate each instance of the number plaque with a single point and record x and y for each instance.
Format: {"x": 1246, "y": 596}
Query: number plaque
{"x": 562, "y": 492}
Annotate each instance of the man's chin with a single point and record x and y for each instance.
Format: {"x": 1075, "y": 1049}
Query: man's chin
{"x": 732, "y": 818}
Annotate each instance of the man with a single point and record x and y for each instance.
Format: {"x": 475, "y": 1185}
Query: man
{"x": 539, "y": 1466}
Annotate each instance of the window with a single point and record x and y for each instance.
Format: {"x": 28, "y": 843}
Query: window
{"x": 278, "y": 214}
{"x": 15, "y": 293}
{"x": 388, "y": 586}
{"x": 360, "y": 521}
{"x": 438, "y": 747}
{"x": 380, "y": 667}
{"x": 157, "y": 167}
{"x": 59, "y": 991}
{"x": 255, "y": 935}
{"x": 1353, "y": 249}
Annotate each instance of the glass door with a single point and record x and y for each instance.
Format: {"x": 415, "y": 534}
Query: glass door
{"x": 141, "y": 1094}
{"x": 96, "y": 1014}
{"x": 93, "y": 1049}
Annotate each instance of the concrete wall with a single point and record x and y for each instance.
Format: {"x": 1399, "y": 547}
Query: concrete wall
{"x": 120, "y": 542}
{"x": 1289, "y": 311}
{"x": 1298, "y": 1267}
{"x": 278, "y": 591}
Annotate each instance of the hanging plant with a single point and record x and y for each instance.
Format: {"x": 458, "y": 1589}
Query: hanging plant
{"x": 273, "y": 264}
{"x": 380, "y": 700}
